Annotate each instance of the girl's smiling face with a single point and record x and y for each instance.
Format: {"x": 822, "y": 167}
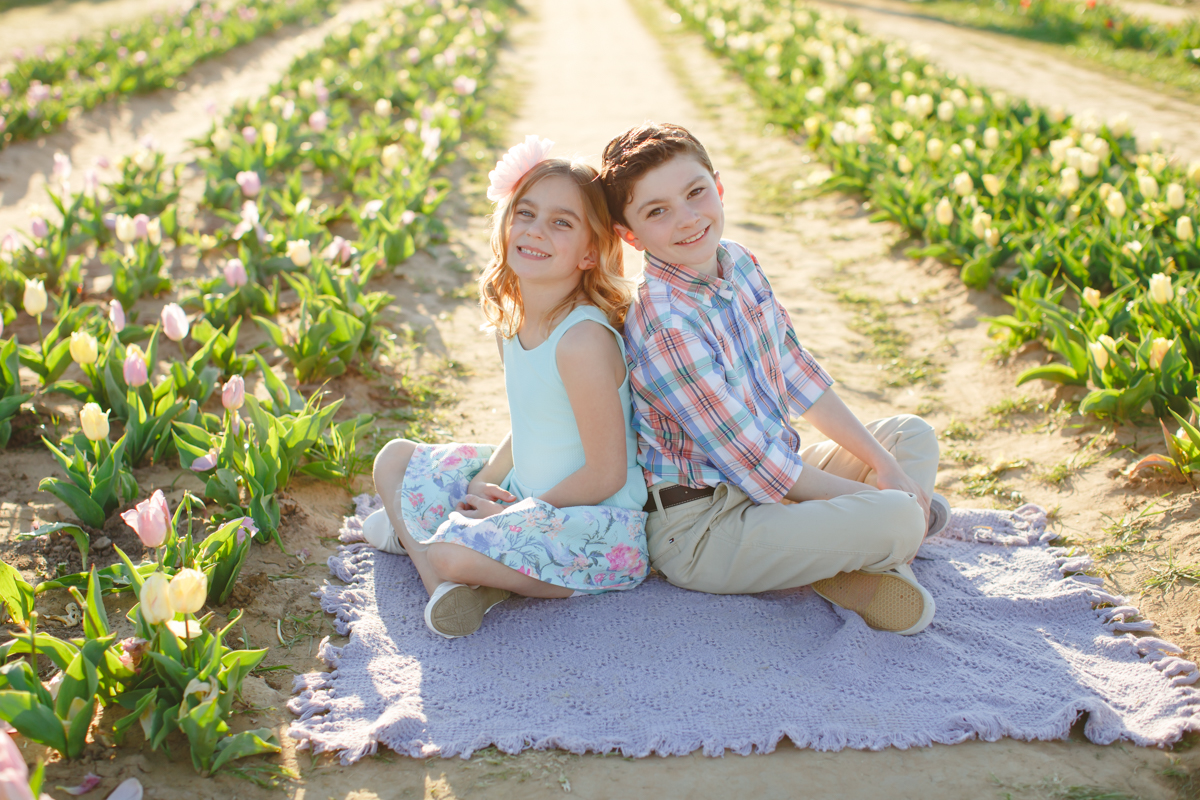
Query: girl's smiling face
{"x": 549, "y": 240}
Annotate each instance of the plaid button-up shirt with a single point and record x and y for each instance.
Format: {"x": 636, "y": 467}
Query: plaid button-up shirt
{"x": 714, "y": 367}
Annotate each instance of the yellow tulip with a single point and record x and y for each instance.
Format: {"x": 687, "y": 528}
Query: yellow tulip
{"x": 188, "y": 590}
{"x": 94, "y": 422}
{"x": 992, "y": 184}
{"x": 1115, "y": 204}
{"x": 1184, "y": 229}
{"x": 1158, "y": 349}
{"x": 1091, "y": 297}
{"x": 155, "y": 598}
{"x": 84, "y": 348}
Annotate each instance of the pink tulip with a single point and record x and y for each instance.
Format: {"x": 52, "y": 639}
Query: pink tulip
{"x": 14, "y": 773}
{"x": 8, "y": 243}
{"x": 250, "y": 183}
{"x": 250, "y": 134}
{"x": 5, "y": 88}
{"x": 140, "y": 57}
{"x": 235, "y": 273}
{"x": 91, "y": 183}
{"x": 141, "y": 224}
{"x": 39, "y": 228}
{"x": 149, "y": 519}
{"x": 116, "y": 315}
{"x": 338, "y": 250}
{"x": 246, "y": 528}
{"x": 233, "y": 395}
{"x": 102, "y": 162}
{"x": 321, "y": 92}
{"x": 175, "y": 322}
{"x": 3, "y": 124}
{"x": 62, "y": 167}
{"x": 205, "y": 462}
{"x": 464, "y": 85}
{"x": 408, "y": 217}
{"x": 318, "y": 121}
{"x": 135, "y": 369}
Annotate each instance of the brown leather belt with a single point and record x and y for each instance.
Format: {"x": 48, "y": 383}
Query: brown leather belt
{"x": 677, "y": 496}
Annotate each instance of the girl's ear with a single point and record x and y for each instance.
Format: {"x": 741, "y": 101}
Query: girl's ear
{"x": 628, "y": 237}
{"x": 720, "y": 186}
{"x": 590, "y": 259}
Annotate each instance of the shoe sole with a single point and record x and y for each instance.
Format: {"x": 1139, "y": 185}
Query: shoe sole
{"x": 459, "y": 610}
{"x": 945, "y": 522}
{"x": 885, "y": 602}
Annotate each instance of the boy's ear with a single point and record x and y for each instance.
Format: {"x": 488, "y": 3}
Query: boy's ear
{"x": 720, "y": 186}
{"x": 628, "y": 237}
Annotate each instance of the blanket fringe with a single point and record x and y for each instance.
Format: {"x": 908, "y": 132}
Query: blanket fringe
{"x": 1118, "y": 616}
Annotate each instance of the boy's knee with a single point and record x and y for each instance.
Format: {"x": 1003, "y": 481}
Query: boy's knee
{"x": 903, "y": 514}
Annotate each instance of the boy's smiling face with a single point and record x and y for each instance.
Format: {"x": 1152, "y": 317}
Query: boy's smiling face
{"x": 675, "y": 213}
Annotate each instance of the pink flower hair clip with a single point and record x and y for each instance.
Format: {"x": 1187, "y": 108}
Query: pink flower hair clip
{"x": 516, "y": 162}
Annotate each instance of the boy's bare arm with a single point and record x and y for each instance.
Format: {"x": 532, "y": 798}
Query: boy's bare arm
{"x": 831, "y": 417}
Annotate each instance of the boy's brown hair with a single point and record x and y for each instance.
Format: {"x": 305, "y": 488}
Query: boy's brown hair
{"x": 637, "y": 151}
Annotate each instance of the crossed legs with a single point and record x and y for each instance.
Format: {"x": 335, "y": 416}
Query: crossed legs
{"x": 440, "y": 562}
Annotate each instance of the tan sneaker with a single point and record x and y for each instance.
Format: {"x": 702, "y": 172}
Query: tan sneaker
{"x": 456, "y": 609}
{"x": 939, "y": 515}
{"x": 887, "y": 601}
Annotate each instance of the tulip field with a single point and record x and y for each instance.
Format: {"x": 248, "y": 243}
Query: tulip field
{"x": 330, "y": 177}
{"x": 192, "y": 344}
{"x": 1094, "y": 243}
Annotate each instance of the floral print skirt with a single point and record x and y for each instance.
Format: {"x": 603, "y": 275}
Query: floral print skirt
{"x": 588, "y": 549}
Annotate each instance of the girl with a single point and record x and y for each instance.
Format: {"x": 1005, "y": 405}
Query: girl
{"x": 556, "y": 509}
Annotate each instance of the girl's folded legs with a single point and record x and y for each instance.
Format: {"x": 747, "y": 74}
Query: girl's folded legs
{"x": 460, "y": 564}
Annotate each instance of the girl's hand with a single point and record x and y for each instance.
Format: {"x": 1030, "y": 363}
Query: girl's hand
{"x": 475, "y": 507}
{"x": 490, "y": 491}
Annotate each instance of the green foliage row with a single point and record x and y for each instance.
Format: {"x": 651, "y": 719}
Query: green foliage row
{"x": 39, "y": 92}
{"x": 1000, "y": 188}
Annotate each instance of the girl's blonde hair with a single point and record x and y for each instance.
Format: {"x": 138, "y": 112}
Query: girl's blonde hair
{"x": 604, "y": 285}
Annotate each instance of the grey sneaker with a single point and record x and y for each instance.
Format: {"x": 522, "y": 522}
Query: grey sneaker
{"x": 378, "y": 531}
{"x": 456, "y": 609}
{"x": 939, "y": 515}
{"x": 887, "y": 601}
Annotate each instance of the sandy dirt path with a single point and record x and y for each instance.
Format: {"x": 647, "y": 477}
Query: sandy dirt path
{"x": 171, "y": 118}
{"x": 48, "y": 24}
{"x": 592, "y": 69}
{"x": 1037, "y": 72}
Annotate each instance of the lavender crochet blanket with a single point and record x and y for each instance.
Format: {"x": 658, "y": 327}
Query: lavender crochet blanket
{"x": 1021, "y": 646}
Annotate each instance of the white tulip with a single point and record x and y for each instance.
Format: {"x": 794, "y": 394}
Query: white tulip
{"x": 1175, "y": 196}
{"x": 991, "y": 138}
{"x": 1148, "y": 186}
{"x": 1161, "y": 290}
{"x": 1070, "y": 182}
{"x": 944, "y": 212}
{"x": 1184, "y": 230}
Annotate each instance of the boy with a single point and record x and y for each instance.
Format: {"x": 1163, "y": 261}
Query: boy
{"x": 716, "y": 365}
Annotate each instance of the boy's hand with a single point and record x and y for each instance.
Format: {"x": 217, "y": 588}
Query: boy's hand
{"x": 895, "y": 478}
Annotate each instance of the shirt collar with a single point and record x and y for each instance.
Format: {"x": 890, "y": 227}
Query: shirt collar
{"x": 694, "y": 284}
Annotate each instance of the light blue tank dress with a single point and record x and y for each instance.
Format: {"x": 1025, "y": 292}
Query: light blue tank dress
{"x": 589, "y": 549}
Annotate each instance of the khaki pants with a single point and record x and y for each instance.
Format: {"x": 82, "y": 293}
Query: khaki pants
{"x": 726, "y": 544}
